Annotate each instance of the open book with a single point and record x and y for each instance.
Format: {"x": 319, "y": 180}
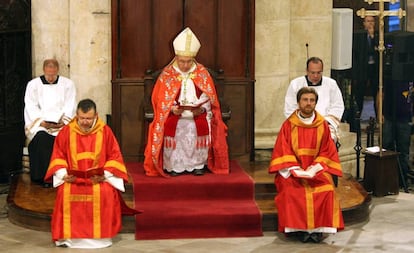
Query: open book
{"x": 86, "y": 173}
{"x": 192, "y": 106}
{"x": 309, "y": 173}
{"x": 53, "y": 117}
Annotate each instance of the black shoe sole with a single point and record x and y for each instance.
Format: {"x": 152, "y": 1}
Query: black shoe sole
{"x": 199, "y": 172}
{"x": 316, "y": 237}
{"x": 174, "y": 174}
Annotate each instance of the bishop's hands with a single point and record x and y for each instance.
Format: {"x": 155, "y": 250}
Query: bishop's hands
{"x": 197, "y": 111}
{"x": 176, "y": 110}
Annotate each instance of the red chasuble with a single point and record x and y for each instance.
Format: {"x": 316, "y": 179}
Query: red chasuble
{"x": 305, "y": 204}
{"x": 83, "y": 209}
{"x": 164, "y": 94}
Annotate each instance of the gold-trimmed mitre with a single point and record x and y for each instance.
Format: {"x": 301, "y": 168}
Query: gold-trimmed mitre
{"x": 186, "y": 43}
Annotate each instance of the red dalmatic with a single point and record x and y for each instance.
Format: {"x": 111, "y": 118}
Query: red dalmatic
{"x": 306, "y": 204}
{"x": 83, "y": 209}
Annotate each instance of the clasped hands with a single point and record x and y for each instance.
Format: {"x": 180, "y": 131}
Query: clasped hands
{"x": 96, "y": 179}
{"x": 371, "y": 31}
{"x": 196, "y": 111}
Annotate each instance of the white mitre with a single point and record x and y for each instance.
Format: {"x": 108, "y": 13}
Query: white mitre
{"x": 186, "y": 43}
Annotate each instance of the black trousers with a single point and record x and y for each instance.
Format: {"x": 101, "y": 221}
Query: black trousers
{"x": 359, "y": 88}
{"x": 40, "y": 150}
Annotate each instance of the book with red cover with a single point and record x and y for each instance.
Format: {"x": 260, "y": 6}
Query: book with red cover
{"x": 86, "y": 173}
{"x": 188, "y": 107}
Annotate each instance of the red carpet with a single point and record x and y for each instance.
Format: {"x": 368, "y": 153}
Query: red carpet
{"x": 190, "y": 206}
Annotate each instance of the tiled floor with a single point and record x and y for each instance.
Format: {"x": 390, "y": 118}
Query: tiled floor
{"x": 389, "y": 229}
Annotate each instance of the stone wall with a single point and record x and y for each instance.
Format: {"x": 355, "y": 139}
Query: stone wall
{"x": 78, "y": 35}
{"x": 283, "y": 28}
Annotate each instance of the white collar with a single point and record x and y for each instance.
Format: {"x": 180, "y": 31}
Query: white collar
{"x": 308, "y": 120}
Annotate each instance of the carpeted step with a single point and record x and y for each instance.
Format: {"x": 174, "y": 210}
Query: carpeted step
{"x": 190, "y": 206}
{"x": 189, "y": 187}
{"x": 198, "y": 219}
